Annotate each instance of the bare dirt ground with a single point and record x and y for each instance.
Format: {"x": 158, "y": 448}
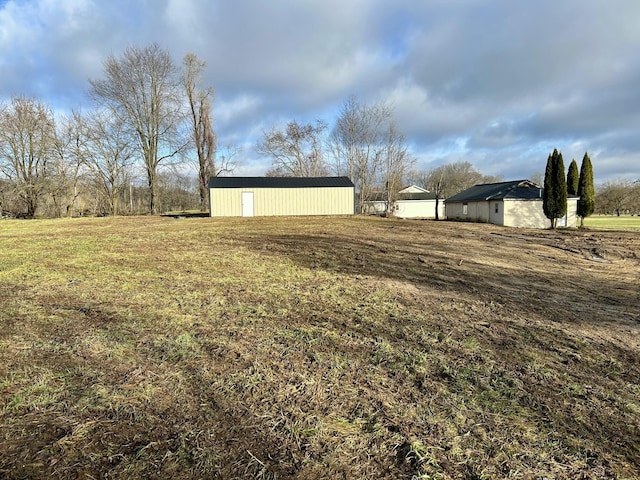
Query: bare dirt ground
{"x": 591, "y": 276}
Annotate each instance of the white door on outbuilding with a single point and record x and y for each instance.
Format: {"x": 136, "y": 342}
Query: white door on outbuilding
{"x": 247, "y": 204}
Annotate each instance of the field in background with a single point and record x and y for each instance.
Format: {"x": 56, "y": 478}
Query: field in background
{"x": 611, "y": 222}
{"x": 356, "y": 347}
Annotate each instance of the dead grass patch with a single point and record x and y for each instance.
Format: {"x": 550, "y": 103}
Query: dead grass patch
{"x": 317, "y": 348}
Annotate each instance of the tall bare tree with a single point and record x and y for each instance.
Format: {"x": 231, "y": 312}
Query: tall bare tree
{"x": 434, "y": 180}
{"x": 27, "y": 132}
{"x": 204, "y": 137}
{"x": 142, "y": 89}
{"x": 358, "y": 144}
{"x": 295, "y": 151}
{"x": 67, "y": 162}
{"x": 397, "y": 165}
{"x": 109, "y": 158}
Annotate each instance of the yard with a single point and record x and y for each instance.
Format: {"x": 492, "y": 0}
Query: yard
{"x": 611, "y": 222}
{"x": 344, "y": 347}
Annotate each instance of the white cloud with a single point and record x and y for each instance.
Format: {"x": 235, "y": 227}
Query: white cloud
{"x": 496, "y": 81}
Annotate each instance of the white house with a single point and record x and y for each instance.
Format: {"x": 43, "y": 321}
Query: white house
{"x": 516, "y": 203}
{"x": 410, "y": 202}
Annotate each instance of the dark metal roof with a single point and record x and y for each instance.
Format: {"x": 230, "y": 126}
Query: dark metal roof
{"x": 279, "y": 182}
{"x": 516, "y": 189}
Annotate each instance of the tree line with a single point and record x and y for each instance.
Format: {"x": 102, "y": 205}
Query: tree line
{"x": 618, "y": 197}
{"x": 148, "y": 116}
{"x": 366, "y": 145}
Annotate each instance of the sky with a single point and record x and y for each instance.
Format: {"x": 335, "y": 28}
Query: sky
{"x": 497, "y": 83}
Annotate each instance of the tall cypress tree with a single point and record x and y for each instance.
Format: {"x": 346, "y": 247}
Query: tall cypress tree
{"x": 561, "y": 187}
{"x": 586, "y": 190}
{"x": 547, "y": 192}
{"x": 554, "y": 200}
{"x": 572, "y": 178}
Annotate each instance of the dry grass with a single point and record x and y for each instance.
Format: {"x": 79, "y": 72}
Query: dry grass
{"x": 317, "y": 348}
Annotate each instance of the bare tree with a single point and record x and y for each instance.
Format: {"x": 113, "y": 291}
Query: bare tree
{"x": 109, "y": 157}
{"x": 180, "y": 191}
{"x": 7, "y": 193}
{"x": 537, "y": 178}
{"x": 27, "y": 131}
{"x": 225, "y": 160}
{"x": 358, "y": 144}
{"x": 204, "y": 137}
{"x": 616, "y": 197}
{"x": 295, "y": 151}
{"x": 142, "y": 89}
{"x": 455, "y": 177}
{"x": 449, "y": 179}
{"x": 434, "y": 180}
{"x": 398, "y": 163}
{"x": 635, "y": 196}
{"x": 67, "y": 162}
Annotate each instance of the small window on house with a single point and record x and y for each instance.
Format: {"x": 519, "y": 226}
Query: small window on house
{"x": 497, "y": 208}
{"x": 465, "y": 209}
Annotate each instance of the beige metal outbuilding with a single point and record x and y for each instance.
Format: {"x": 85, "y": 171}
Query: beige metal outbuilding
{"x": 279, "y": 196}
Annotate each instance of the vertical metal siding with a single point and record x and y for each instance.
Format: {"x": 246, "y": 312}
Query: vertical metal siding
{"x": 226, "y": 202}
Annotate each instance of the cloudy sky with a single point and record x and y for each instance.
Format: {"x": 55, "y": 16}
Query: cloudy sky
{"x": 498, "y": 83}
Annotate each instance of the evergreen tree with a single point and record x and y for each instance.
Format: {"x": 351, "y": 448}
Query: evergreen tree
{"x": 572, "y": 178}
{"x": 554, "y": 200}
{"x": 548, "y": 199}
{"x": 586, "y": 190}
{"x": 561, "y": 187}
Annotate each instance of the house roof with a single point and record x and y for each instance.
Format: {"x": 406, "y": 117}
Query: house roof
{"x": 279, "y": 182}
{"x": 382, "y": 196}
{"x": 515, "y": 189}
{"x": 413, "y": 189}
